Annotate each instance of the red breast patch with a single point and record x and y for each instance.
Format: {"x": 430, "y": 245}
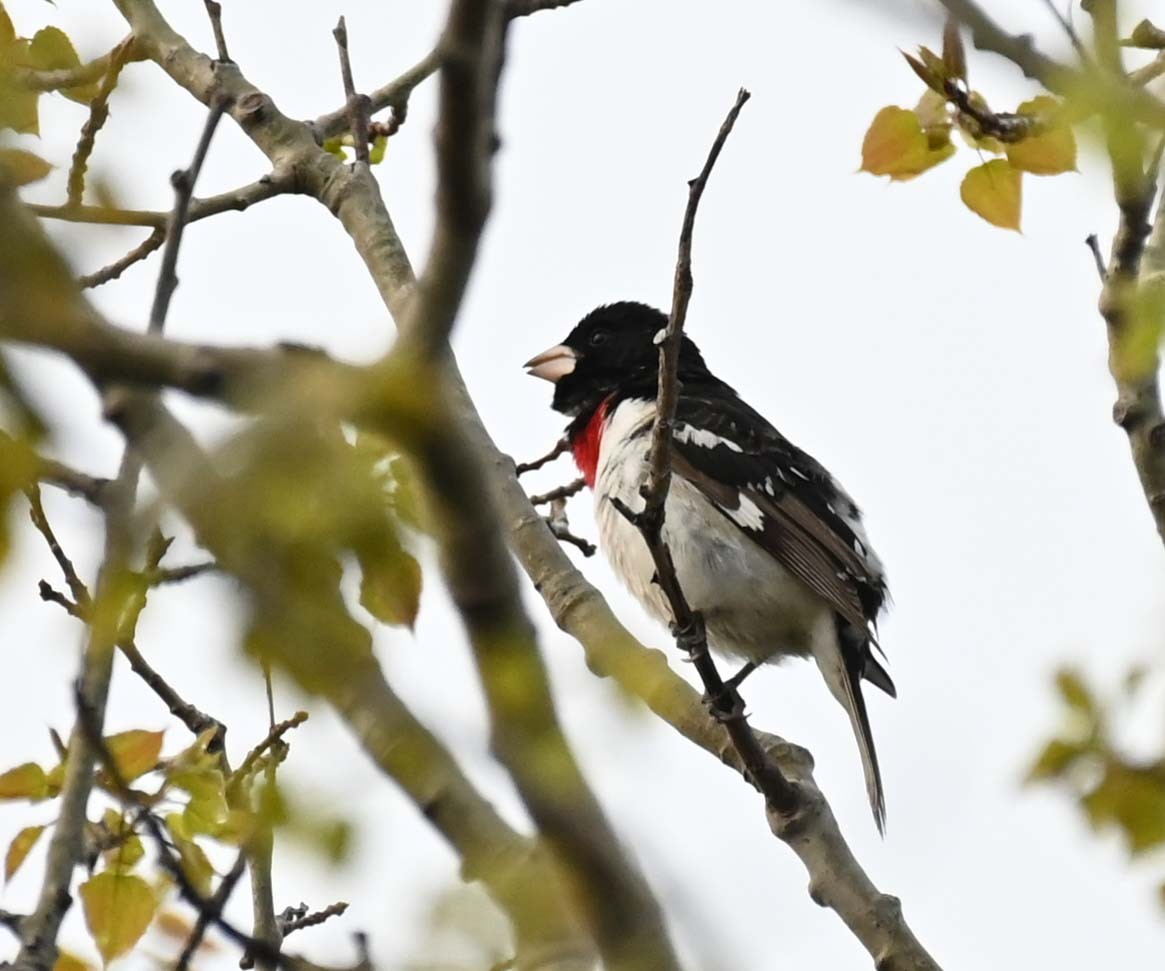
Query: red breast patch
{"x": 585, "y": 444}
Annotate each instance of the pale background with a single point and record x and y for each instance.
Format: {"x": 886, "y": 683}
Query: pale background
{"x": 951, "y": 374}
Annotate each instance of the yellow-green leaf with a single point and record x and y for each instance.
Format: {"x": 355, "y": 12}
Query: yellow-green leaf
{"x": 195, "y": 864}
{"x": 1133, "y": 799}
{"x": 135, "y": 752}
{"x": 207, "y": 808}
{"x": 390, "y": 585}
{"x": 896, "y": 145}
{"x": 1055, "y": 759}
{"x": 379, "y": 147}
{"x": 52, "y": 50}
{"x": 118, "y": 909}
{"x": 70, "y": 962}
{"x": 994, "y": 190}
{"x": 24, "y": 782}
{"x": 1075, "y": 692}
{"x": 18, "y": 167}
{"x": 7, "y": 31}
{"x": 18, "y": 105}
{"x": 1051, "y": 152}
{"x": 19, "y": 849}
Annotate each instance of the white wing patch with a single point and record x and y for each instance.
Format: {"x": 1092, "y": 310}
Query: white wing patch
{"x": 748, "y": 515}
{"x": 691, "y": 435}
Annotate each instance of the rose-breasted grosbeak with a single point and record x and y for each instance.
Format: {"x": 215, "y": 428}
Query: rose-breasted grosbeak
{"x": 767, "y": 545}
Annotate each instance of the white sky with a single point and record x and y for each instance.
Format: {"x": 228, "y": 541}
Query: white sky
{"x": 952, "y": 375}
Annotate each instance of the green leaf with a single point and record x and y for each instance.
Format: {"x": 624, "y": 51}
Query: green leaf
{"x": 1075, "y": 692}
{"x": 1056, "y": 758}
{"x": 7, "y": 31}
{"x": 18, "y": 105}
{"x": 379, "y": 147}
{"x": 1051, "y": 152}
{"x": 1132, "y": 799}
{"x": 18, "y": 167}
{"x": 994, "y": 190}
{"x": 135, "y": 752}
{"x": 118, "y": 909}
{"x": 52, "y": 50}
{"x": 390, "y": 584}
{"x": 19, "y": 849}
{"x": 335, "y": 146}
{"x": 207, "y": 809}
{"x": 26, "y": 781}
{"x": 195, "y": 864}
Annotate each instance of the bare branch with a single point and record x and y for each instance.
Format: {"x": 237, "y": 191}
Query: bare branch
{"x": 358, "y": 104}
{"x": 561, "y": 447}
{"x": 562, "y": 492}
{"x": 98, "y": 114}
{"x": 213, "y": 910}
{"x": 183, "y": 182}
{"x": 214, "y": 12}
{"x": 115, "y": 269}
{"x": 71, "y": 77}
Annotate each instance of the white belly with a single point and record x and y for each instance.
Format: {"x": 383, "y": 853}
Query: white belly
{"x": 752, "y": 606}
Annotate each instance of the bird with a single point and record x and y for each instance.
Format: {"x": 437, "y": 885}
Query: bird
{"x": 767, "y": 545}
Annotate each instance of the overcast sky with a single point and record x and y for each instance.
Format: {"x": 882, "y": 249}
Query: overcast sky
{"x": 952, "y": 375}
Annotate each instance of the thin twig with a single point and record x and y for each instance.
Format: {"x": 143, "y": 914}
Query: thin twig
{"x": 76, "y": 587}
{"x": 195, "y": 720}
{"x": 561, "y": 447}
{"x": 98, "y": 114}
{"x": 560, "y": 527}
{"x": 1093, "y": 244}
{"x": 314, "y": 919}
{"x": 562, "y": 492}
{"x": 214, "y": 12}
{"x": 88, "y": 487}
{"x": 274, "y": 737}
{"x": 183, "y": 182}
{"x": 215, "y": 906}
{"x": 115, "y": 269}
{"x": 780, "y": 793}
{"x": 358, "y": 104}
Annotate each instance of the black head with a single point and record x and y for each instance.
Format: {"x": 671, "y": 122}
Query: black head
{"x": 612, "y": 350}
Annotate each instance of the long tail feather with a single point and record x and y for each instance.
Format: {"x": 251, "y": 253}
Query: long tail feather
{"x": 842, "y": 663}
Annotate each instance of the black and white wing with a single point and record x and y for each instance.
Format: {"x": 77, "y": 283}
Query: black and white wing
{"x": 806, "y": 520}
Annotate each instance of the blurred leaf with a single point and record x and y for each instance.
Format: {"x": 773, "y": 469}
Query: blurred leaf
{"x": 24, "y": 782}
{"x": 1133, "y": 799}
{"x": 954, "y": 54}
{"x": 390, "y": 583}
{"x": 1075, "y": 693}
{"x": 52, "y": 50}
{"x": 118, "y": 909}
{"x": 933, "y": 81}
{"x": 335, "y": 146}
{"x": 379, "y": 148}
{"x": 135, "y": 752}
{"x": 896, "y": 145}
{"x": 1051, "y": 152}
{"x": 7, "y": 31}
{"x": 994, "y": 190}
{"x": 19, "y": 168}
{"x": 207, "y": 809}
{"x": 195, "y": 864}
{"x": 18, "y": 105}
{"x": 1056, "y": 758}
{"x": 173, "y": 924}
{"x": 70, "y": 962}
{"x": 17, "y": 472}
{"x": 19, "y": 849}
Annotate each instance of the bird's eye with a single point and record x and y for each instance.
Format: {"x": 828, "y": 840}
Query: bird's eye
{"x": 598, "y": 338}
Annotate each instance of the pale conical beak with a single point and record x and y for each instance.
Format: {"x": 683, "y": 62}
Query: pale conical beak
{"x": 553, "y": 364}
